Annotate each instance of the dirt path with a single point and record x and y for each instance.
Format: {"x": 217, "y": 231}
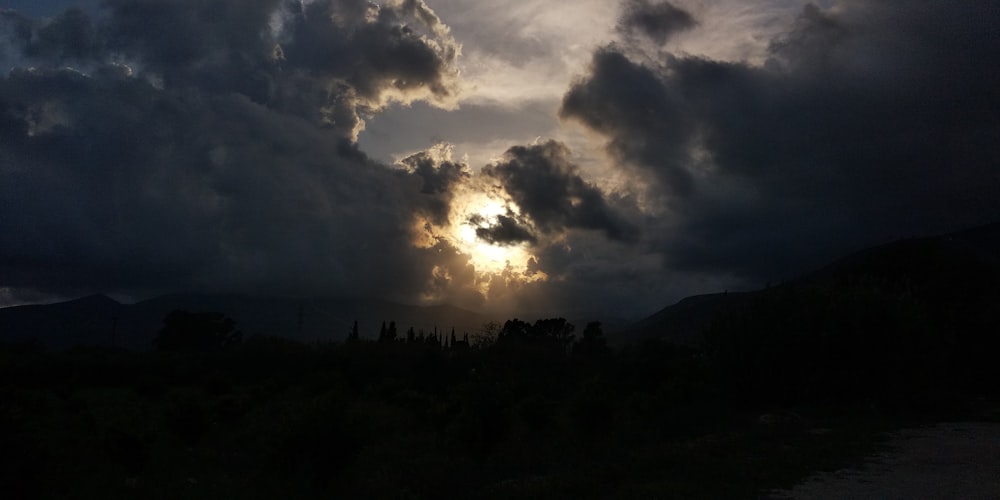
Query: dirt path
{"x": 946, "y": 461}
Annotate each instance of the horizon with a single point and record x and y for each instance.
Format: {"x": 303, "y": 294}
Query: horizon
{"x": 610, "y": 160}
{"x": 615, "y": 324}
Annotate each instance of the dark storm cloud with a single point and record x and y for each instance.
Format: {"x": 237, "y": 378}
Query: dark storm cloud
{"x": 548, "y": 188}
{"x": 143, "y": 190}
{"x": 68, "y": 36}
{"x": 47, "y": 8}
{"x": 507, "y": 230}
{"x": 439, "y": 176}
{"x": 869, "y": 122}
{"x": 439, "y": 179}
{"x": 657, "y": 20}
{"x": 164, "y": 146}
{"x": 643, "y": 119}
{"x": 183, "y": 35}
{"x": 330, "y": 61}
{"x": 385, "y": 52}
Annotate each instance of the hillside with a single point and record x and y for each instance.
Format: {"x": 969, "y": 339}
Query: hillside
{"x": 957, "y": 270}
{"x": 799, "y": 377}
{"x": 957, "y": 273}
{"x": 683, "y": 322}
{"x": 101, "y": 321}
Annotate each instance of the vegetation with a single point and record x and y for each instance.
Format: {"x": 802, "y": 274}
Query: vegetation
{"x": 912, "y": 325}
{"x": 529, "y": 411}
{"x": 802, "y": 377}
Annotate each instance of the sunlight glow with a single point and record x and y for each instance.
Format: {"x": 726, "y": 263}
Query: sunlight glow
{"x": 485, "y": 256}
{"x": 495, "y": 267}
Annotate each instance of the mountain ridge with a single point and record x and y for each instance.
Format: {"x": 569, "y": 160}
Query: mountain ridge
{"x": 98, "y": 320}
{"x": 959, "y": 266}
{"x": 956, "y": 266}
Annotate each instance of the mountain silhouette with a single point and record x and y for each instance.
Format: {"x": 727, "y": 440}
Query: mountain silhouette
{"x": 950, "y": 272}
{"x": 84, "y": 321}
{"x": 953, "y": 272}
{"x": 101, "y": 321}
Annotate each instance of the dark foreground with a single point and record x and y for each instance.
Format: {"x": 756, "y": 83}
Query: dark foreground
{"x": 950, "y": 460}
{"x": 530, "y": 416}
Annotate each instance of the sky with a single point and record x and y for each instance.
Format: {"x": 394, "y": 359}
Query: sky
{"x": 524, "y": 157}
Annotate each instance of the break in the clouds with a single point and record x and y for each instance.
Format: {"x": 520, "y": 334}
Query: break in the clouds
{"x": 168, "y": 145}
{"x": 868, "y": 121}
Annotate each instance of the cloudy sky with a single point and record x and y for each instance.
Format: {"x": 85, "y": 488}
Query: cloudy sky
{"x": 527, "y": 156}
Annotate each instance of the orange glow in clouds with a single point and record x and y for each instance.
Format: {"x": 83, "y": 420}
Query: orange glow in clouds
{"x": 472, "y": 209}
{"x": 486, "y": 257}
{"x": 475, "y": 204}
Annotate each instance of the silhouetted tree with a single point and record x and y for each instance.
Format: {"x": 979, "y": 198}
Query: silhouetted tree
{"x": 555, "y": 329}
{"x": 592, "y": 345}
{"x": 514, "y": 330}
{"x": 201, "y": 331}
{"x": 354, "y": 336}
{"x": 461, "y": 345}
{"x": 387, "y": 334}
{"x": 487, "y": 335}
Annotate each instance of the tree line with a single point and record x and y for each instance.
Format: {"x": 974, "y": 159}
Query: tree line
{"x": 207, "y": 331}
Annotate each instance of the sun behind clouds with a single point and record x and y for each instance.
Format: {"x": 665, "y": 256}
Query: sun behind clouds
{"x": 475, "y": 212}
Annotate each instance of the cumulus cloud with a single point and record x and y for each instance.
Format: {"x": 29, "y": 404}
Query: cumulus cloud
{"x": 658, "y": 21}
{"x": 507, "y": 230}
{"x": 643, "y": 120}
{"x": 213, "y": 145}
{"x": 869, "y": 121}
{"x": 548, "y": 188}
{"x": 540, "y": 237}
{"x": 333, "y": 62}
{"x": 177, "y": 145}
{"x": 440, "y": 175}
